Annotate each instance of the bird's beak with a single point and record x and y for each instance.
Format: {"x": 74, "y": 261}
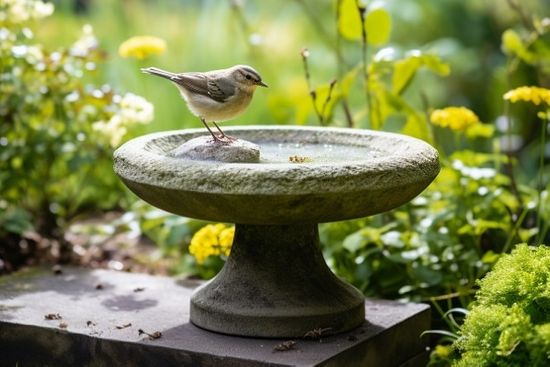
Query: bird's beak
{"x": 261, "y": 84}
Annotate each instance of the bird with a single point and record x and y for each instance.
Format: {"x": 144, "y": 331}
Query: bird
{"x": 216, "y": 95}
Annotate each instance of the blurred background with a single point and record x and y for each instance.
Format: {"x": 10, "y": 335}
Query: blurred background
{"x": 206, "y": 35}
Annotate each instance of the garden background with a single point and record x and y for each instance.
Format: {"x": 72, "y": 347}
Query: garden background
{"x": 71, "y": 91}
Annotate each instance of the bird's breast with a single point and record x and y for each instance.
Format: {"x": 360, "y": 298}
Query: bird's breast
{"x": 212, "y": 110}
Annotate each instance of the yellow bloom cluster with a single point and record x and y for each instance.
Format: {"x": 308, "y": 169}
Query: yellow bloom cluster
{"x": 455, "y": 118}
{"x": 212, "y": 239}
{"x": 535, "y": 95}
{"x": 141, "y": 47}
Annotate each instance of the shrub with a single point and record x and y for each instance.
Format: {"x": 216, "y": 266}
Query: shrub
{"x": 57, "y": 133}
{"x": 509, "y": 324}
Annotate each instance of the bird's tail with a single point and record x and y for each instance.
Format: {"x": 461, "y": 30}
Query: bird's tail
{"x": 159, "y": 72}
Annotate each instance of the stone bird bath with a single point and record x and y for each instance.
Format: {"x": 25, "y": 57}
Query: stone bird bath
{"x": 275, "y": 282}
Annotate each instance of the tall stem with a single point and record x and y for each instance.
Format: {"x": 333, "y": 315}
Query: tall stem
{"x": 305, "y": 54}
{"x": 340, "y": 64}
{"x": 364, "y": 54}
{"x": 319, "y": 27}
{"x": 509, "y": 154}
{"x": 541, "y": 178}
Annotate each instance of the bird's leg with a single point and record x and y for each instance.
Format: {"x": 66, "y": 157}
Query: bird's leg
{"x": 210, "y": 131}
{"x": 223, "y": 136}
{"x": 220, "y": 130}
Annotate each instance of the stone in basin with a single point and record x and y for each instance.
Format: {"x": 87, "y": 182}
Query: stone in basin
{"x": 205, "y": 148}
{"x": 275, "y": 282}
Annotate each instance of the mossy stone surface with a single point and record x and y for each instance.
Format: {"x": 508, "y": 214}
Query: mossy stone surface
{"x": 277, "y": 284}
{"x": 205, "y": 148}
{"x": 282, "y": 193}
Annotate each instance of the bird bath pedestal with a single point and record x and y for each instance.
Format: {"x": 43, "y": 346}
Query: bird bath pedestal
{"x": 275, "y": 282}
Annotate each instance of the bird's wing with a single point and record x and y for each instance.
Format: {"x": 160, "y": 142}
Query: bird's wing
{"x": 220, "y": 89}
{"x": 193, "y": 82}
{"x": 217, "y": 89}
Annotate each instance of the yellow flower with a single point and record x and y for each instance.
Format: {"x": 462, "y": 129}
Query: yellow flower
{"x": 442, "y": 351}
{"x": 141, "y": 47}
{"x": 535, "y": 95}
{"x": 212, "y": 239}
{"x": 455, "y": 118}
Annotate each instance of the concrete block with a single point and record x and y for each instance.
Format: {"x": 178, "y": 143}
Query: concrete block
{"x": 93, "y": 317}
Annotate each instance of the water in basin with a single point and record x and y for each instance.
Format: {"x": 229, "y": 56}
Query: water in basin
{"x": 275, "y": 152}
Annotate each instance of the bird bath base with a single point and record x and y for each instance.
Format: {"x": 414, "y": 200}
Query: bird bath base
{"x": 277, "y": 284}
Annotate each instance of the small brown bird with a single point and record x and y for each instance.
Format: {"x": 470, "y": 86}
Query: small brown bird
{"x": 216, "y": 95}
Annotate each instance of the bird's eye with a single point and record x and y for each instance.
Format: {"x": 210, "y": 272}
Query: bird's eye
{"x": 248, "y": 77}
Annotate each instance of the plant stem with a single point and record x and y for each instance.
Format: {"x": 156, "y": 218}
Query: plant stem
{"x": 426, "y": 108}
{"x": 327, "y": 100}
{"x": 364, "y": 54}
{"x": 339, "y": 60}
{"x": 243, "y": 24}
{"x": 541, "y": 178}
{"x": 515, "y": 230}
{"x": 318, "y": 25}
{"x": 305, "y": 54}
{"x": 528, "y": 23}
{"x": 509, "y": 154}
{"x": 347, "y": 112}
{"x": 340, "y": 65}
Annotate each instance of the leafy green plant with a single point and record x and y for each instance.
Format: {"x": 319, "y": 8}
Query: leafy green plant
{"x": 440, "y": 243}
{"x": 57, "y": 132}
{"x": 385, "y": 73}
{"x": 509, "y": 323}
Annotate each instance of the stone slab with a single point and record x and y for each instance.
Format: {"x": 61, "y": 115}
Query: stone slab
{"x": 101, "y": 312}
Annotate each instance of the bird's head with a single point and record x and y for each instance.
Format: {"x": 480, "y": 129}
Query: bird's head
{"x": 247, "y": 77}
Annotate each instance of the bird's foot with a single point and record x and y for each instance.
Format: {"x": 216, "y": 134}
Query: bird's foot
{"x": 223, "y": 139}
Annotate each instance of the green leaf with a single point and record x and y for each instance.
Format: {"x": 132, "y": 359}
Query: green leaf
{"x": 427, "y": 275}
{"x": 490, "y": 257}
{"x": 416, "y": 126}
{"x": 405, "y": 70}
{"x": 377, "y": 23}
{"x": 512, "y": 44}
{"x": 449, "y": 334}
{"x": 323, "y": 105}
{"x": 378, "y": 26}
{"x": 15, "y": 220}
{"x": 349, "y": 21}
{"x": 354, "y": 241}
{"x": 434, "y": 63}
{"x": 347, "y": 81}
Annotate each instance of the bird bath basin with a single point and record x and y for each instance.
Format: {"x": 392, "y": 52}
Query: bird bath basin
{"x": 275, "y": 282}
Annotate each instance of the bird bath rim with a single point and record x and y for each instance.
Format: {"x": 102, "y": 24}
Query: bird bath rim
{"x": 287, "y": 193}
{"x": 143, "y": 160}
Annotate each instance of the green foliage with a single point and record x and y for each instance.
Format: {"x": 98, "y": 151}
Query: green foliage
{"x": 57, "y": 132}
{"x": 509, "y": 324}
{"x": 377, "y": 22}
{"x": 438, "y": 244}
{"x": 173, "y": 234}
{"x": 405, "y": 69}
